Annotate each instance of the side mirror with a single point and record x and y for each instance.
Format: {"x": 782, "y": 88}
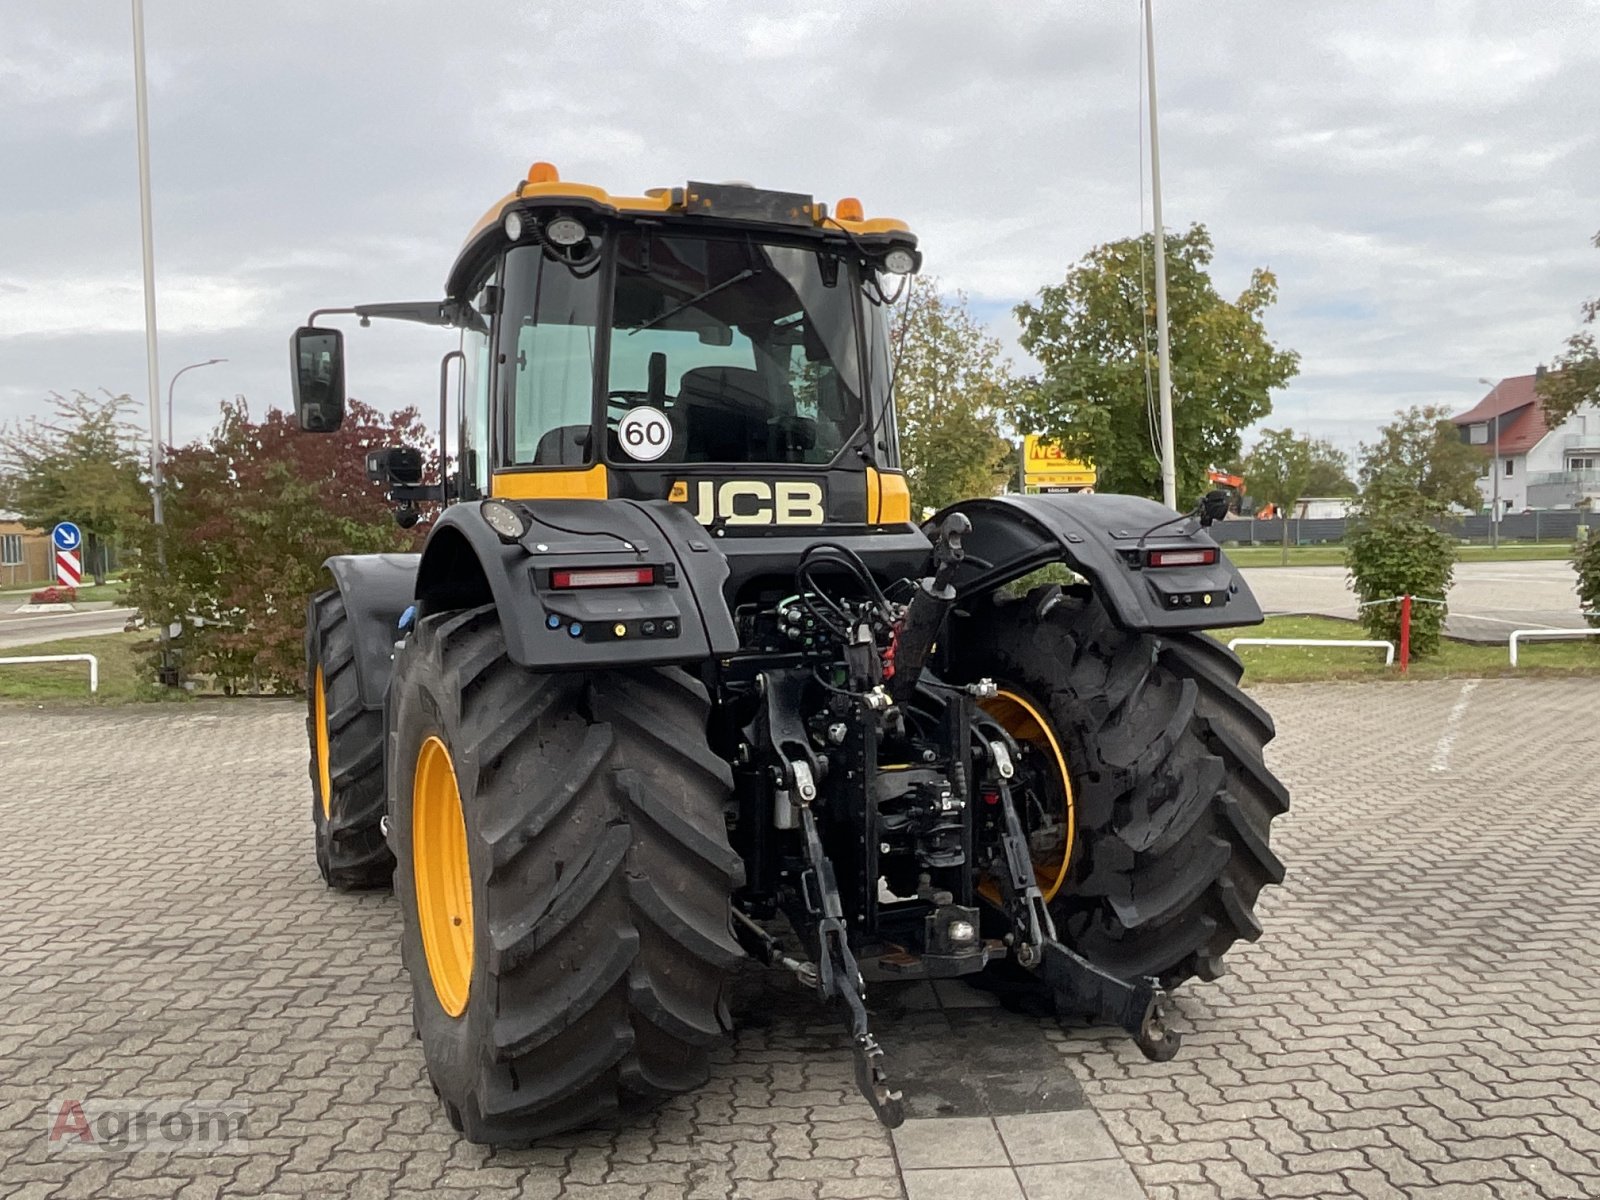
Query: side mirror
{"x": 316, "y": 362}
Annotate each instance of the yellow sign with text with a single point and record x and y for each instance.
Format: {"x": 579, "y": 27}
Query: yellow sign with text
{"x": 1045, "y": 464}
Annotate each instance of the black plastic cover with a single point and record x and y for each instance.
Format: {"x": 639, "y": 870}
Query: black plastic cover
{"x": 1099, "y": 536}
{"x": 681, "y": 618}
{"x": 377, "y": 589}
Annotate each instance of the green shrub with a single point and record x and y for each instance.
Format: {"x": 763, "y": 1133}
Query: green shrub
{"x": 1586, "y": 562}
{"x": 1397, "y": 552}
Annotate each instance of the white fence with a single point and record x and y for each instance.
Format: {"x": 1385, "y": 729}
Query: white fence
{"x": 94, "y": 663}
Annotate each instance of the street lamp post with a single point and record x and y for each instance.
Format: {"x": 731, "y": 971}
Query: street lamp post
{"x": 1494, "y": 472}
{"x": 171, "y": 440}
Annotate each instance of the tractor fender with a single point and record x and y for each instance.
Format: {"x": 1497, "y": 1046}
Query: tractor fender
{"x": 680, "y": 617}
{"x": 1099, "y": 537}
{"x": 377, "y": 589}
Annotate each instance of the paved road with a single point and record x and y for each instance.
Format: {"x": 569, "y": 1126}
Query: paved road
{"x": 1419, "y": 1020}
{"x": 1487, "y": 602}
{"x": 24, "y": 629}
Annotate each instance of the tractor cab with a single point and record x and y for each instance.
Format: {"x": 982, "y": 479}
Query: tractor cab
{"x": 717, "y": 345}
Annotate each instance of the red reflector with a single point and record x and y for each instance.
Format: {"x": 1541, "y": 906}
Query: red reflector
{"x": 1182, "y": 558}
{"x": 602, "y": 577}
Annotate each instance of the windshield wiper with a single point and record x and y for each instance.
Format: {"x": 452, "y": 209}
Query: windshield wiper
{"x": 747, "y": 273}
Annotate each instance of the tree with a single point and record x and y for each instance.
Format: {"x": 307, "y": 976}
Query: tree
{"x": 1095, "y": 336}
{"x": 251, "y": 512}
{"x": 1330, "y": 471}
{"x": 1420, "y": 454}
{"x": 1277, "y": 470}
{"x": 951, "y": 385}
{"x": 84, "y": 466}
{"x": 1575, "y": 380}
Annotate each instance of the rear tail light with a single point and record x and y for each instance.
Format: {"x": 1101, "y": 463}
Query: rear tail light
{"x": 1182, "y": 558}
{"x": 602, "y": 577}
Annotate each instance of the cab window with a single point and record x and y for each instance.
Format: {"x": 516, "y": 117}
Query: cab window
{"x": 547, "y": 359}
{"x": 748, "y": 349}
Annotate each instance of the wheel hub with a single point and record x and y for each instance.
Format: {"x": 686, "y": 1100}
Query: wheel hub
{"x": 1045, "y": 767}
{"x": 443, "y": 875}
{"x": 319, "y": 714}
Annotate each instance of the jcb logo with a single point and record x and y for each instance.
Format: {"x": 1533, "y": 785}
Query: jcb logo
{"x": 752, "y": 502}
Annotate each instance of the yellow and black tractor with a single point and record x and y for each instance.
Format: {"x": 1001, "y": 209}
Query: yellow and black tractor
{"x": 677, "y": 679}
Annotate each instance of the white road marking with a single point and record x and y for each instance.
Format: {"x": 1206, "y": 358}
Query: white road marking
{"x": 1452, "y": 725}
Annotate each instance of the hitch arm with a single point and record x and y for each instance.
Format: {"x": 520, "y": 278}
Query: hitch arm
{"x": 1138, "y": 1006}
{"x": 839, "y": 978}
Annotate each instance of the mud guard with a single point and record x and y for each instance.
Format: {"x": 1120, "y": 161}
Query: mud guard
{"x": 377, "y": 589}
{"x": 681, "y": 617}
{"x": 1103, "y": 538}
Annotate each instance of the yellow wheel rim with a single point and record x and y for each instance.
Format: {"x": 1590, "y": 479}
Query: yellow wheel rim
{"x": 319, "y": 706}
{"x": 443, "y": 875}
{"x": 1028, "y": 725}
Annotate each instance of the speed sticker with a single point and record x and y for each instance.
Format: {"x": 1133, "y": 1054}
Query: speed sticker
{"x": 645, "y": 433}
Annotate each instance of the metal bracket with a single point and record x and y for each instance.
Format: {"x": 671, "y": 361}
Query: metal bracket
{"x": 1080, "y": 988}
{"x": 839, "y": 978}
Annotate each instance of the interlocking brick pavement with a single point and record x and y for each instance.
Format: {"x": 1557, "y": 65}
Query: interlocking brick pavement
{"x": 1421, "y": 1016}
{"x": 1418, "y": 1020}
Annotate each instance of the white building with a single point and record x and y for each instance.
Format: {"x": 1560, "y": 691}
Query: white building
{"x": 1538, "y": 467}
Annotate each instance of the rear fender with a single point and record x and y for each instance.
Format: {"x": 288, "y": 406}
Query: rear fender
{"x": 377, "y": 589}
{"x": 1099, "y": 536}
{"x": 681, "y": 618}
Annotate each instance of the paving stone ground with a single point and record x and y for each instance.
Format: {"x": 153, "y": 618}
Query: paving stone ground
{"x": 1420, "y": 1018}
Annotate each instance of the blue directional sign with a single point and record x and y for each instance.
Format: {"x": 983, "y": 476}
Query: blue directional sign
{"x": 66, "y": 536}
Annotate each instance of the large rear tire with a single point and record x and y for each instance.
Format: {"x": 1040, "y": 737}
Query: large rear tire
{"x": 570, "y": 952}
{"x": 1171, "y": 797}
{"x": 347, "y": 794}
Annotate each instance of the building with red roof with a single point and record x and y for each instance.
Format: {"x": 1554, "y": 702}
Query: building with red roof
{"x": 1538, "y": 466}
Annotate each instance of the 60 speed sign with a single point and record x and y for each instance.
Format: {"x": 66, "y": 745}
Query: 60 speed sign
{"x": 645, "y": 433}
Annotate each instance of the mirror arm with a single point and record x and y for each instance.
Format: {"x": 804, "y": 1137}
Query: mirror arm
{"x": 424, "y": 312}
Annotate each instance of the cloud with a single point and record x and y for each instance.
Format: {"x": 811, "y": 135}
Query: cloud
{"x": 1420, "y": 177}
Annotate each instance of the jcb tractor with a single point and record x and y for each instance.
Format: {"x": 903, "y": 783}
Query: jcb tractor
{"x": 678, "y": 677}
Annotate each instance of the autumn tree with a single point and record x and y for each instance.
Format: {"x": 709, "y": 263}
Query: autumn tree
{"x": 1278, "y": 470}
{"x": 84, "y": 465}
{"x": 951, "y": 383}
{"x": 1421, "y": 452}
{"x": 251, "y": 513}
{"x": 1574, "y": 379}
{"x": 1095, "y": 334}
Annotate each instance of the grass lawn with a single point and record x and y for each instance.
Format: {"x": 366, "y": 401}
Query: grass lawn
{"x": 123, "y": 675}
{"x": 1333, "y": 555}
{"x": 1285, "y": 664}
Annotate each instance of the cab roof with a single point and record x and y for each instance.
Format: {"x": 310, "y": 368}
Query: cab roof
{"x": 543, "y": 187}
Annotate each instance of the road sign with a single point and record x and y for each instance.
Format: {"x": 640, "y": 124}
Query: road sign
{"x": 66, "y": 536}
{"x": 1046, "y": 467}
{"x": 69, "y": 568}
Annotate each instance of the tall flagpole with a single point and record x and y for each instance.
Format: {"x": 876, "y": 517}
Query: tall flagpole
{"x": 142, "y": 117}
{"x": 1169, "y": 468}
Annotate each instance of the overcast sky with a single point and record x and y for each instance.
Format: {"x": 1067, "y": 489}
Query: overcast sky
{"x": 1421, "y": 176}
